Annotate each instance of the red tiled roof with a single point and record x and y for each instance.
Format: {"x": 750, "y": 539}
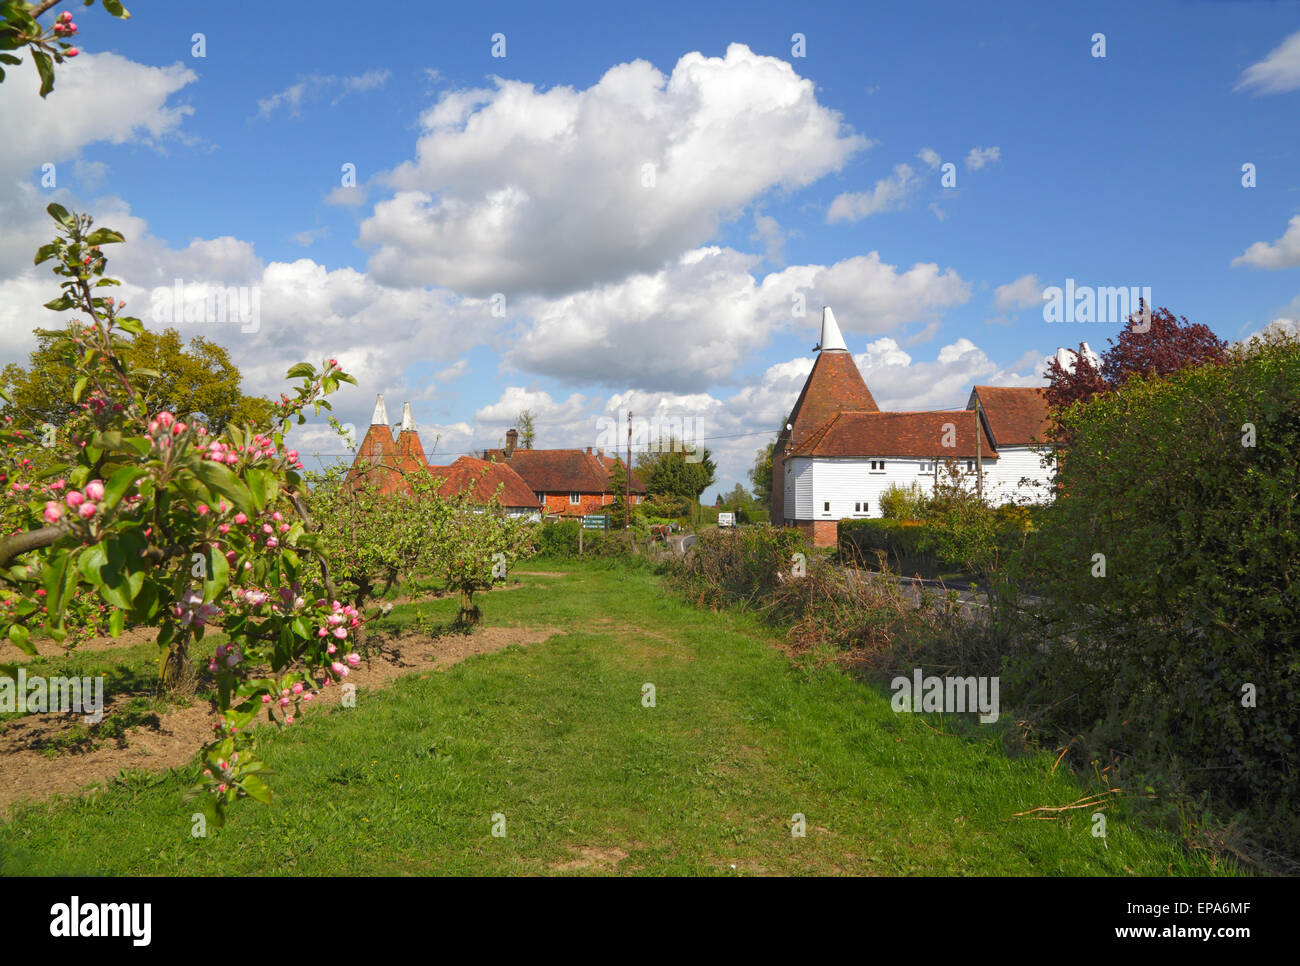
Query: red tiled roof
{"x": 483, "y": 480}
{"x": 566, "y": 471}
{"x": 1016, "y": 415}
{"x": 835, "y": 385}
{"x": 916, "y": 435}
{"x": 410, "y": 454}
{"x": 376, "y": 461}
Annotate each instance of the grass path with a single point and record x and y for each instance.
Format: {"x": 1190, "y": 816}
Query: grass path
{"x": 555, "y": 738}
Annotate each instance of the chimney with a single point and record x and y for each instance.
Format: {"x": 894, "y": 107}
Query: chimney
{"x": 588, "y": 450}
{"x": 512, "y": 440}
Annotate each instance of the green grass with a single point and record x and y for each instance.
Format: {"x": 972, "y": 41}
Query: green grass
{"x": 555, "y": 737}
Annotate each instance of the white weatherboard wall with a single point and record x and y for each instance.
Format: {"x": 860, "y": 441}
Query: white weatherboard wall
{"x": 849, "y": 482}
{"x": 798, "y": 488}
{"x": 1014, "y": 464}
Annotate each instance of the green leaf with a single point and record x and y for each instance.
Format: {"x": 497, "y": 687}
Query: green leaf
{"x": 116, "y": 9}
{"x": 104, "y": 236}
{"x": 302, "y": 369}
{"x": 18, "y": 637}
{"x": 220, "y": 479}
{"x": 256, "y": 789}
{"x": 45, "y": 67}
{"x": 115, "y": 623}
{"x": 120, "y": 482}
{"x": 218, "y": 575}
{"x": 79, "y": 388}
{"x": 262, "y": 486}
{"x": 46, "y": 251}
{"x": 60, "y": 214}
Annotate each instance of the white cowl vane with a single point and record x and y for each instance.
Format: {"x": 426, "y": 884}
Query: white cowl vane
{"x": 832, "y": 340}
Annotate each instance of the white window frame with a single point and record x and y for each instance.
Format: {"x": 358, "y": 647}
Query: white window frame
{"x": 927, "y": 466}
{"x": 877, "y": 466}
{"x": 574, "y": 498}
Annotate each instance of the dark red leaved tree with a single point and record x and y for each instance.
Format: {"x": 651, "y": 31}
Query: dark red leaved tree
{"x": 1166, "y": 345}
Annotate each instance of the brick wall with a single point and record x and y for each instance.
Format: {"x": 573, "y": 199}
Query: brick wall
{"x": 558, "y": 504}
{"x": 820, "y": 533}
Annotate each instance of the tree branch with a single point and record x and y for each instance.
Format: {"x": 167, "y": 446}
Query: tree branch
{"x": 17, "y": 544}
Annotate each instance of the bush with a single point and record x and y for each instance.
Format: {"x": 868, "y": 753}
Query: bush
{"x": 727, "y": 567}
{"x": 558, "y": 540}
{"x": 902, "y": 503}
{"x": 1181, "y": 491}
{"x": 898, "y": 543}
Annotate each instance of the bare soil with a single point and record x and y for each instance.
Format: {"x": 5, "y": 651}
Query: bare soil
{"x": 28, "y": 772}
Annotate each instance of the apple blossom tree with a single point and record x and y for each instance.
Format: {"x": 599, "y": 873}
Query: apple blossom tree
{"x": 171, "y": 526}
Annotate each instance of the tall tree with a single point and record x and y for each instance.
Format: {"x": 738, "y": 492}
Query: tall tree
{"x": 1167, "y": 345}
{"x": 200, "y": 383}
{"x": 760, "y": 476}
{"x": 524, "y": 426}
{"x": 670, "y": 471}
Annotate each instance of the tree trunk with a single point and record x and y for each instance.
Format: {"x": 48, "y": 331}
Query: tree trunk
{"x": 469, "y": 614}
{"x": 177, "y": 673}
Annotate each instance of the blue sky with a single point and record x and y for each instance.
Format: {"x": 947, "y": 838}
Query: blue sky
{"x": 775, "y": 175}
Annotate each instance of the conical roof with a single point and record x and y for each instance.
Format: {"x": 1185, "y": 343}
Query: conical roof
{"x": 834, "y": 386}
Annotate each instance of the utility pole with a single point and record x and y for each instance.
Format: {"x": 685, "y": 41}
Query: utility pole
{"x": 627, "y": 489}
{"x": 979, "y": 459}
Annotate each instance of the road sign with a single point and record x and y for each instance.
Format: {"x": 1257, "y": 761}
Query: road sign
{"x": 595, "y": 521}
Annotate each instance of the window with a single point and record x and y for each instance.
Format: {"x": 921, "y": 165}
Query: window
{"x": 970, "y": 466}
{"x": 826, "y": 507}
{"x": 541, "y": 499}
{"x": 927, "y": 467}
{"x": 574, "y": 499}
{"x": 877, "y": 466}
{"x": 857, "y": 508}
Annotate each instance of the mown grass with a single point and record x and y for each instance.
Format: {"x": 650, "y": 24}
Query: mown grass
{"x": 555, "y": 738}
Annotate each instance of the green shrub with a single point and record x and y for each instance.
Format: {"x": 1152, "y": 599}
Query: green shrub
{"x": 1184, "y": 490}
{"x": 863, "y": 542}
{"x": 558, "y": 540}
{"x": 728, "y": 567}
{"x": 902, "y": 503}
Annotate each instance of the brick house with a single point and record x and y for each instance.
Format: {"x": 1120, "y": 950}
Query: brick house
{"x": 565, "y": 482}
{"x": 838, "y": 453}
{"x": 387, "y": 464}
